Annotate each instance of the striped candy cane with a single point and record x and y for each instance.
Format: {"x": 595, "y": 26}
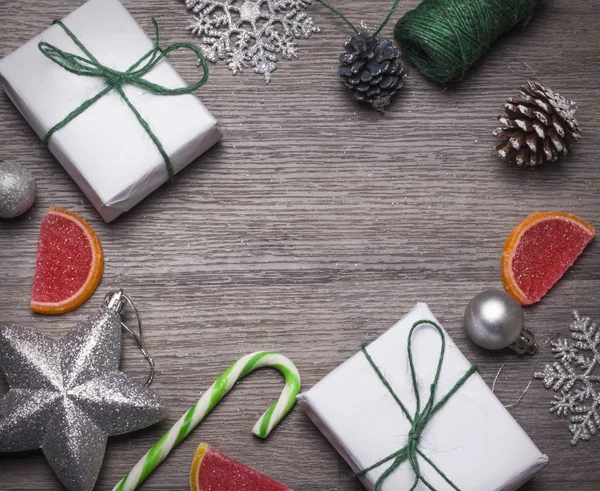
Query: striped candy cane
{"x": 209, "y": 400}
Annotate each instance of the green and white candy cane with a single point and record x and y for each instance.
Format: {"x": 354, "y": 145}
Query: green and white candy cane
{"x": 194, "y": 416}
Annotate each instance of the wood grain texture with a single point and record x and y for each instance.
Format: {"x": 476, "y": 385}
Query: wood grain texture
{"x": 314, "y": 226}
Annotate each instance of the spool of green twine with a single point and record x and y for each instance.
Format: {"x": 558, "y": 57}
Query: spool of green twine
{"x": 443, "y": 38}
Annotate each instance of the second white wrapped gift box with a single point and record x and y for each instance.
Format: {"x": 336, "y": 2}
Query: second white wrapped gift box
{"x": 473, "y": 439}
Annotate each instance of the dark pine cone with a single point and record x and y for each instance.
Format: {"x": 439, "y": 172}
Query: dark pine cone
{"x": 539, "y": 126}
{"x": 371, "y": 69}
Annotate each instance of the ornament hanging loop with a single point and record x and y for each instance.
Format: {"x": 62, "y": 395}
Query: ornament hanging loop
{"x": 117, "y": 301}
{"x": 352, "y": 26}
{"x": 524, "y": 345}
{"x": 513, "y": 404}
{"x": 535, "y": 75}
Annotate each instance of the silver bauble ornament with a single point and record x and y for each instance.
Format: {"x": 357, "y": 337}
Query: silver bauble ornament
{"x": 17, "y": 190}
{"x": 495, "y": 320}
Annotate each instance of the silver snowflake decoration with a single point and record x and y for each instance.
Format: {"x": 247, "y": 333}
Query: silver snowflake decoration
{"x": 573, "y": 377}
{"x": 250, "y": 33}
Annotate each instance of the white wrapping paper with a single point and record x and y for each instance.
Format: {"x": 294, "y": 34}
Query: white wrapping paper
{"x": 473, "y": 439}
{"x": 105, "y": 149}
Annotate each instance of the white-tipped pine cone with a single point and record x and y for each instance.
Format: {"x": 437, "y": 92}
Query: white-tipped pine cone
{"x": 539, "y": 126}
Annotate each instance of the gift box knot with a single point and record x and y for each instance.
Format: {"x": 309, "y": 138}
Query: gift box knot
{"x": 91, "y": 67}
{"x": 410, "y": 451}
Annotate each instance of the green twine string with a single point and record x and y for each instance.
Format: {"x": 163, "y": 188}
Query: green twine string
{"x": 421, "y": 417}
{"x": 443, "y": 38}
{"x": 91, "y": 67}
{"x": 343, "y": 17}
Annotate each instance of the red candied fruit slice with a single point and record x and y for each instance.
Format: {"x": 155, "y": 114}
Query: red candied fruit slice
{"x": 69, "y": 263}
{"x": 544, "y": 253}
{"x": 64, "y": 259}
{"x": 214, "y": 471}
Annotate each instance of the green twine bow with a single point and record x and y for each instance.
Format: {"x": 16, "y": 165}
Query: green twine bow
{"x": 421, "y": 417}
{"x": 91, "y": 67}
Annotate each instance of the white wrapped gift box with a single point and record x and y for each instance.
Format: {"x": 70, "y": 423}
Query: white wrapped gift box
{"x": 473, "y": 439}
{"x": 105, "y": 149}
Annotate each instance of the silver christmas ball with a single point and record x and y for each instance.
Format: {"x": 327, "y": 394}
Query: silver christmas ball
{"x": 494, "y": 320}
{"x": 17, "y": 190}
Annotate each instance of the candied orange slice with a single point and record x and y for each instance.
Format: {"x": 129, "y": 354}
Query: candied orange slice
{"x": 540, "y": 250}
{"x": 69, "y": 263}
{"x": 213, "y": 471}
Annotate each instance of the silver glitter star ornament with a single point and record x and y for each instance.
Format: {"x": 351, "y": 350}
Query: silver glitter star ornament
{"x": 250, "y": 33}
{"x": 67, "y": 396}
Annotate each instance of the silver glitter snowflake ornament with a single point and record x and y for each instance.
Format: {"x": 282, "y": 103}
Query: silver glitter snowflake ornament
{"x": 67, "y": 396}
{"x": 250, "y": 33}
{"x": 574, "y": 377}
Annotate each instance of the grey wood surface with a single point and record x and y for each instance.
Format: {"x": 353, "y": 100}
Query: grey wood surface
{"x": 314, "y": 226}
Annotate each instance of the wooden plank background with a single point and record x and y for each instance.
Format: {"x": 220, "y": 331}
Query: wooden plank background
{"x": 314, "y": 226}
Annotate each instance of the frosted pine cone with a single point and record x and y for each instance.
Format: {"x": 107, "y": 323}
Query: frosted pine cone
{"x": 371, "y": 68}
{"x": 539, "y": 126}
